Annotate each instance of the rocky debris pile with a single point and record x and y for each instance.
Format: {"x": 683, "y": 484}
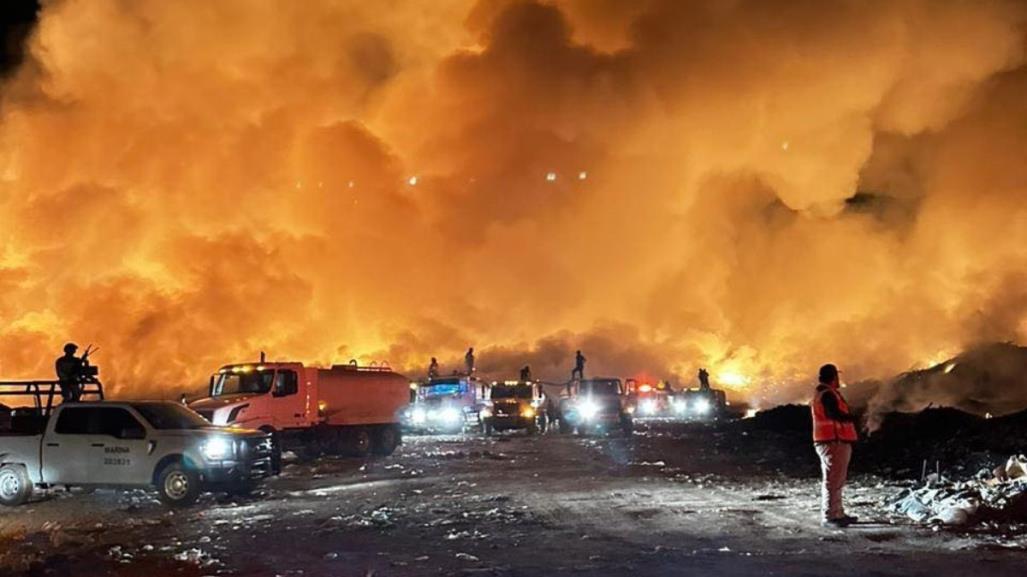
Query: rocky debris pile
{"x": 784, "y": 419}
{"x": 957, "y": 442}
{"x": 995, "y": 495}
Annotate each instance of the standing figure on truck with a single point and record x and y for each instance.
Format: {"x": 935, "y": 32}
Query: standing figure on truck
{"x": 433, "y": 368}
{"x": 469, "y": 361}
{"x": 579, "y": 366}
{"x": 69, "y": 373}
{"x": 525, "y": 374}
{"x": 704, "y": 379}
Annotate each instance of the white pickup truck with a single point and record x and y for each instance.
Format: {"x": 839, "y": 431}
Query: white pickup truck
{"x": 156, "y": 444}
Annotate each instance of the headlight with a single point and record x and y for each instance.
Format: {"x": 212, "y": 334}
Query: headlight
{"x": 647, "y": 406}
{"x": 418, "y": 416}
{"x": 216, "y": 449}
{"x": 485, "y": 413}
{"x": 528, "y": 412}
{"x": 449, "y": 415}
{"x": 588, "y": 409}
{"x": 680, "y": 406}
{"x": 701, "y": 406}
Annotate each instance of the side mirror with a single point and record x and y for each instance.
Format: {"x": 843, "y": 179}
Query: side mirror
{"x": 132, "y": 433}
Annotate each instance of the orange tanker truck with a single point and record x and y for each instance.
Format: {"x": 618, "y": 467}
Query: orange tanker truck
{"x": 344, "y": 409}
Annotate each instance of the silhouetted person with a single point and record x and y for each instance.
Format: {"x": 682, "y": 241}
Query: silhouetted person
{"x": 579, "y": 366}
{"x": 469, "y": 361}
{"x": 525, "y": 374}
{"x": 704, "y": 379}
{"x": 69, "y": 373}
{"x": 433, "y": 369}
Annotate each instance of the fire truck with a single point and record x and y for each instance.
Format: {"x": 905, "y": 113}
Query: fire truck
{"x": 514, "y": 405}
{"x": 647, "y": 400}
{"x": 701, "y": 404}
{"x": 448, "y": 405}
{"x": 593, "y": 405}
{"x": 341, "y": 410}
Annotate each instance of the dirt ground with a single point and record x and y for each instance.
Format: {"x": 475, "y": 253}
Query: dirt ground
{"x": 669, "y": 500}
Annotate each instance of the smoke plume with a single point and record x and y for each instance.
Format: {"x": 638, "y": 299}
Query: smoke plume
{"x": 756, "y": 187}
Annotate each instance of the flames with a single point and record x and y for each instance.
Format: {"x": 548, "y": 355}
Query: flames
{"x": 665, "y": 185}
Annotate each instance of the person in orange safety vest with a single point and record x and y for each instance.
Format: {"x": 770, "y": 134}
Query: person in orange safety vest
{"x": 834, "y": 432}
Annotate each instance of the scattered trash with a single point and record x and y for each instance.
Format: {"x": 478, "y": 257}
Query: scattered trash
{"x": 466, "y": 557}
{"x": 999, "y": 496}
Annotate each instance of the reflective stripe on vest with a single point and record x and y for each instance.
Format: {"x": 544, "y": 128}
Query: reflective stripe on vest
{"x": 826, "y": 429}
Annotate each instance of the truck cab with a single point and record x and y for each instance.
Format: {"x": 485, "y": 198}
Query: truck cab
{"x": 449, "y": 405}
{"x": 595, "y": 404}
{"x": 514, "y": 405}
{"x": 158, "y": 444}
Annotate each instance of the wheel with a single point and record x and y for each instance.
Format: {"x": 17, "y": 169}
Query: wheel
{"x": 488, "y": 427}
{"x": 532, "y": 428}
{"x": 565, "y": 427}
{"x": 15, "y": 485}
{"x": 386, "y": 439}
{"x": 178, "y": 486}
{"x": 360, "y": 442}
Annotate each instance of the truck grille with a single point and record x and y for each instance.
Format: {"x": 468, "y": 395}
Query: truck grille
{"x": 256, "y": 452}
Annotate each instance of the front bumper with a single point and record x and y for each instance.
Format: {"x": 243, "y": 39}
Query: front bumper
{"x": 253, "y": 461}
{"x": 510, "y": 421}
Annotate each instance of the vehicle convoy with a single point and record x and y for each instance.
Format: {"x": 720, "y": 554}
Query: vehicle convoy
{"x": 649, "y": 400}
{"x": 592, "y": 405}
{"x": 159, "y": 444}
{"x": 345, "y": 409}
{"x": 448, "y": 405}
{"x": 514, "y": 405}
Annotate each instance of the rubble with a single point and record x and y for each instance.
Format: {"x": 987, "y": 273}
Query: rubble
{"x": 1000, "y": 495}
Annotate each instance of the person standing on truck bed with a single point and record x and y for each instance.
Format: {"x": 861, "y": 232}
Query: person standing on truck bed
{"x": 579, "y": 366}
{"x": 469, "y": 361}
{"x": 69, "y": 373}
{"x": 704, "y": 379}
{"x": 525, "y": 374}
{"x": 433, "y": 369}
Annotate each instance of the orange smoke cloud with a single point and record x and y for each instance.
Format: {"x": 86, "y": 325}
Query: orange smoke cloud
{"x": 755, "y": 187}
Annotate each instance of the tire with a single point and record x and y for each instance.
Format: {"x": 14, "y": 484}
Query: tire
{"x": 359, "y": 442}
{"x": 15, "y": 485}
{"x": 386, "y": 439}
{"x": 565, "y": 427}
{"x": 178, "y": 486}
{"x": 488, "y": 427}
{"x": 532, "y": 428}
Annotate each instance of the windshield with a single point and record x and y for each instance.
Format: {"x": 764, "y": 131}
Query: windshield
{"x": 451, "y": 388}
{"x": 239, "y": 383}
{"x": 165, "y": 416}
{"x": 519, "y": 392}
{"x": 603, "y": 388}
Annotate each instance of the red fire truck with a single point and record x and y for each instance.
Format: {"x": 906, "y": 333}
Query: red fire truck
{"x": 344, "y": 409}
{"x": 648, "y": 400}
